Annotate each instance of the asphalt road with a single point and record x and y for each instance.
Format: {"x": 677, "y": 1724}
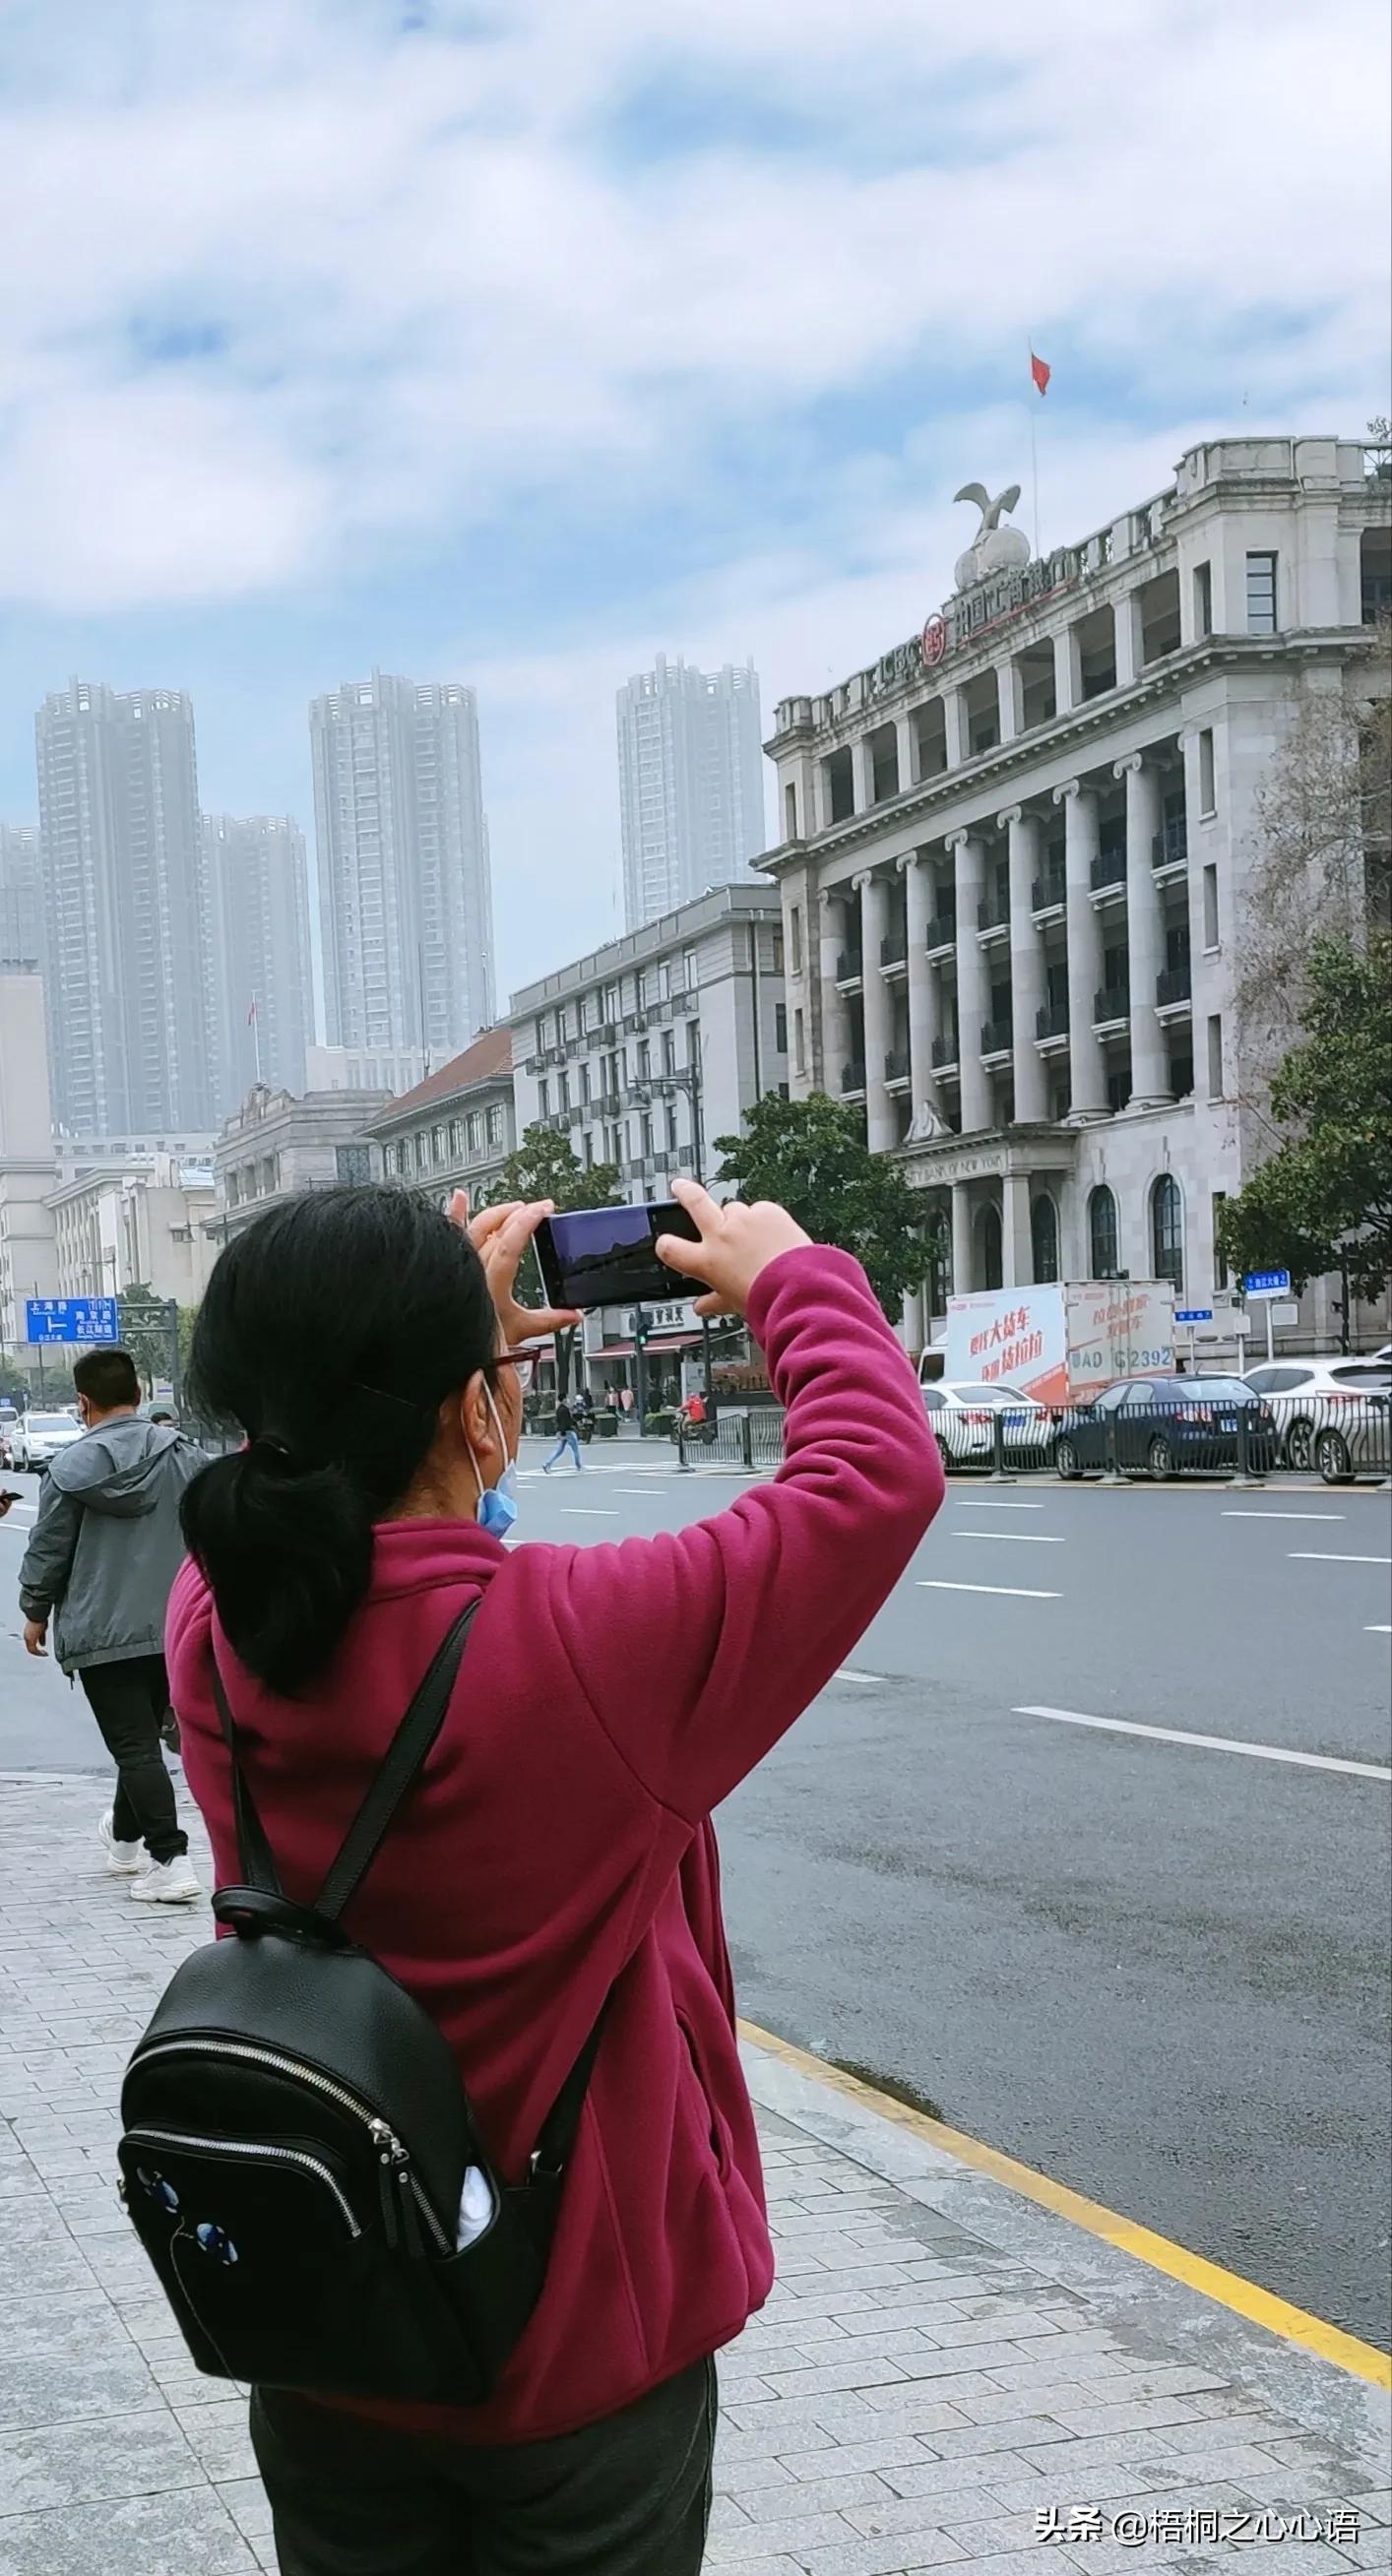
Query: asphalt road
{"x": 1156, "y": 1970}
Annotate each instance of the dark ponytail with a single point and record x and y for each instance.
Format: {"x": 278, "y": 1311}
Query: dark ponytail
{"x": 330, "y": 1334}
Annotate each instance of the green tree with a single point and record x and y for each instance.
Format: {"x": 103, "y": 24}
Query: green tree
{"x": 811, "y": 1157}
{"x": 145, "y": 1334}
{"x": 1323, "y": 1199}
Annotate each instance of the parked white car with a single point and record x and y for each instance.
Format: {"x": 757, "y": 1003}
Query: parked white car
{"x": 9, "y": 1424}
{"x": 963, "y": 1415}
{"x": 39, "y": 1436}
{"x": 1333, "y": 1413}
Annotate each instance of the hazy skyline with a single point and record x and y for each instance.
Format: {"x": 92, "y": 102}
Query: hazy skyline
{"x": 517, "y": 350}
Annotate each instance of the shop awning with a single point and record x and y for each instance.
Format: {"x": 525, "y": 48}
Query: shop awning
{"x": 657, "y": 1342}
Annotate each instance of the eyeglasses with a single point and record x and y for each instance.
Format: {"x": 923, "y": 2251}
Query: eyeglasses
{"x": 525, "y": 1363}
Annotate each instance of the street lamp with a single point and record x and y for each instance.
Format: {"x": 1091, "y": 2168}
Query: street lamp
{"x": 687, "y": 1078}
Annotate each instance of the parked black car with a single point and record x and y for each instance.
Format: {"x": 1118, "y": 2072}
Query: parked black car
{"x": 1164, "y": 1425}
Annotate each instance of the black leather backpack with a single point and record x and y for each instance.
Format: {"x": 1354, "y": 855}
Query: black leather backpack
{"x": 297, "y": 2139}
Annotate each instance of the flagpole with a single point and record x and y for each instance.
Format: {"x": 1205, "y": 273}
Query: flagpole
{"x": 1031, "y": 399}
{"x": 256, "y": 1039}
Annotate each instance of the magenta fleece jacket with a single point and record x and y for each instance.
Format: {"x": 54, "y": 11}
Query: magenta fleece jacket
{"x": 559, "y": 1841}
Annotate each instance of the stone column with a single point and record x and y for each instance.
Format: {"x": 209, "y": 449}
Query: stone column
{"x": 1144, "y": 938}
{"x": 954, "y": 727}
{"x": 923, "y": 1013}
{"x": 913, "y": 1329}
{"x": 1087, "y": 1079}
{"x": 1026, "y": 965}
{"x": 862, "y": 774}
{"x": 880, "y": 1127}
{"x": 906, "y": 736}
{"x": 1126, "y": 618}
{"x": 836, "y": 1017}
{"x": 972, "y": 989}
{"x": 1010, "y": 698}
{"x": 1068, "y": 685}
{"x": 961, "y": 1239}
{"x": 1017, "y": 1255}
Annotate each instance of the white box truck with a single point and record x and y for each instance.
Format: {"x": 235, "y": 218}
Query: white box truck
{"x": 1060, "y": 1344}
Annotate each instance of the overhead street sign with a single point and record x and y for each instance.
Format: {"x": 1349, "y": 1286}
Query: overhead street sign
{"x": 71, "y": 1319}
{"x": 1267, "y": 1283}
{"x": 1193, "y": 1314}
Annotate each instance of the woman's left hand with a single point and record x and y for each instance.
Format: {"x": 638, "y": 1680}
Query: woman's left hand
{"x": 500, "y": 1236}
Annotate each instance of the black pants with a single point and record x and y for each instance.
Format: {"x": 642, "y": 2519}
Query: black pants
{"x": 628, "y": 2497}
{"x": 130, "y": 1702}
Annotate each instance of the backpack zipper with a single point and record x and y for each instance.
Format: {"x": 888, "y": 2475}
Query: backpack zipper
{"x": 245, "y": 2147}
{"x": 389, "y": 2147}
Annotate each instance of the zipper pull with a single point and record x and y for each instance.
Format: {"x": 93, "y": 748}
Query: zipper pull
{"x": 409, "y": 2212}
{"x": 390, "y": 2156}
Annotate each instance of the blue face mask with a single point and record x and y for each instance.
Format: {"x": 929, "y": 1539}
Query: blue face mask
{"x": 496, "y": 1508}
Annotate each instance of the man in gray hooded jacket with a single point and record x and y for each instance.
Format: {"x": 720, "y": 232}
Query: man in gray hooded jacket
{"x": 101, "y": 1562}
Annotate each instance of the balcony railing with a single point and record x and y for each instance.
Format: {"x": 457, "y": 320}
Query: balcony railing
{"x": 1047, "y": 893}
{"x": 1174, "y": 984}
{"x": 897, "y": 1065}
{"x": 850, "y": 966}
{"x": 992, "y": 914}
{"x": 1170, "y": 846}
{"x": 942, "y": 931}
{"x": 1051, "y": 1020}
{"x": 997, "y": 1037}
{"x": 894, "y": 948}
{"x": 1111, "y": 1004}
{"x": 1108, "y": 869}
{"x": 852, "y": 1079}
{"x": 944, "y": 1052}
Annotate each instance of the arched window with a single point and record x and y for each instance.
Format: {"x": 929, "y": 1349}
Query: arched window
{"x": 1102, "y": 1234}
{"x": 988, "y": 1248}
{"x": 1167, "y": 1230}
{"x": 1044, "y": 1239}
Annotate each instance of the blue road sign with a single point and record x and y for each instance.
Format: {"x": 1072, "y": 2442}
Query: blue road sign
{"x": 1193, "y": 1314}
{"x": 1267, "y": 1283}
{"x": 71, "y": 1319}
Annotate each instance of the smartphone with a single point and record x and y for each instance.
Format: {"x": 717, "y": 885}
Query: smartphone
{"x": 608, "y": 1256}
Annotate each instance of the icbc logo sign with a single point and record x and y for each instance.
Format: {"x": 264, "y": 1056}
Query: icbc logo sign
{"x": 934, "y": 640}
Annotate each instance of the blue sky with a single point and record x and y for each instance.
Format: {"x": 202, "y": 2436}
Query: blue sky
{"x": 514, "y": 343}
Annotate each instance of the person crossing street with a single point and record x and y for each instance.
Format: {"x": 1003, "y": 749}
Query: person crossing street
{"x": 100, "y": 1566}
{"x": 567, "y": 1437}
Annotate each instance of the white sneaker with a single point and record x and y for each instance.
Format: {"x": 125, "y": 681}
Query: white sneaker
{"x": 124, "y": 1860}
{"x": 167, "y": 1882}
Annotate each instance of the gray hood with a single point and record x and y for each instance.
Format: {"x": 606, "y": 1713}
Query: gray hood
{"x": 116, "y": 1468}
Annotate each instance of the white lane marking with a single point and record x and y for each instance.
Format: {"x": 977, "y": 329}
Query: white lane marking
{"x": 1326, "y": 1556}
{"x": 1009, "y": 1591}
{"x": 1211, "y": 1743}
{"x": 992, "y": 1503}
{"x": 1281, "y": 1516}
{"x": 1379, "y": 1628}
{"x": 848, "y": 1673}
{"x": 588, "y": 1512}
{"x": 1015, "y": 1538}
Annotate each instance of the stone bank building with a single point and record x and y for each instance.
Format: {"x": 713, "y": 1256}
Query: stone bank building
{"x": 1015, "y": 854}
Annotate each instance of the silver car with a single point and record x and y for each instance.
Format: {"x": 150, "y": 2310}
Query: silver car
{"x": 40, "y": 1436}
{"x": 1332, "y": 1413}
{"x": 963, "y": 1415}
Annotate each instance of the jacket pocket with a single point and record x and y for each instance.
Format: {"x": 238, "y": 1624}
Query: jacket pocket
{"x": 716, "y": 2129}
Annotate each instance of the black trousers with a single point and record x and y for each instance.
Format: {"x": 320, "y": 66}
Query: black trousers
{"x": 130, "y": 1702}
{"x": 628, "y": 2497}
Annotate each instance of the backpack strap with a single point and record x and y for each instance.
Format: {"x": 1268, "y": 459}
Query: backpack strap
{"x": 254, "y": 1855}
{"x": 405, "y": 1757}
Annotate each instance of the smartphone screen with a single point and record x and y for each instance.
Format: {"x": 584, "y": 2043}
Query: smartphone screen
{"x": 607, "y": 1256}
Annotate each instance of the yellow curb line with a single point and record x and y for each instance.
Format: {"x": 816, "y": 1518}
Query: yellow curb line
{"x": 1246, "y": 2298}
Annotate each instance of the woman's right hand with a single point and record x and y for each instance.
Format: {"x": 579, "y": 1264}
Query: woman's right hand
{"x": 737, "y": 1242}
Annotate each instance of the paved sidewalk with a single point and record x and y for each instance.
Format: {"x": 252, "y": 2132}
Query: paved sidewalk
{"x": 942, "y": 2363}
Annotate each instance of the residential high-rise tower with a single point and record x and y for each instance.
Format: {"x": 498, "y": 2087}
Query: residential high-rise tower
{"x": 125, "y": 928}
{"x": 405, "y": 898}
{"x": 21, "y": 896}
{"x": 691, "y": 787}
{"x": 262, "y": 1008}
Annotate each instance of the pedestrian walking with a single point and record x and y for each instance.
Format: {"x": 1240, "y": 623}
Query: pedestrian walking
{"x": 567, "y": 1438}
{"x": 100, "y": 1564}
{"x": 370, "y": 1350}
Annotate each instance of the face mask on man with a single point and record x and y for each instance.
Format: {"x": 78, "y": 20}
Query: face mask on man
{"x": 496, "y": 1508}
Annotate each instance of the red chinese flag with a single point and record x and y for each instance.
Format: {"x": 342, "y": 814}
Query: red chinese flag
{"x": 1041, "y": 372}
